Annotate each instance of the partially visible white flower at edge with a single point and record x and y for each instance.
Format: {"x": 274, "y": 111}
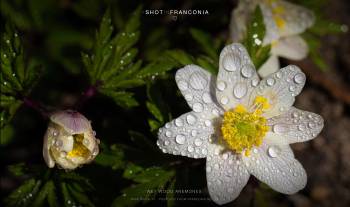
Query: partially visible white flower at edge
{"x": 241, "y": 125}
{"x": 69, "y": 140}
{"x": 284, "y": 22}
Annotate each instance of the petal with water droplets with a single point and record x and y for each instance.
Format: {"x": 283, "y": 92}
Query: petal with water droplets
{"x": 226, "y": 175}
{"x": 297, "y": 125}
{"x": 236, "y": 73}
{"x": 274, "y": 164}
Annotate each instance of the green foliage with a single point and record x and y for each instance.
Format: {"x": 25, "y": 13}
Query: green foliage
{"x": 17, "y": 76}
{"x": 148, "y": 183}
{"x": 50, "y": 189}
{"x": 111, "y": 157}
{"x": 254, "y": 37}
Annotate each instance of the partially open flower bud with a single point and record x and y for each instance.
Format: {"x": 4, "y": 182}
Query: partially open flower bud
{"x": 69, "y": 140}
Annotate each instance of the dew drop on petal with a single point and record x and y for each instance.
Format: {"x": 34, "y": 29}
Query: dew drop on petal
{"x": 197, "y": 107}
{"x": 180, "y": 139}
{"x": 221, "y": 85}
{"x": 270, "y": 81}
{"x": 224, "y": 100}
{"x": 247, "y": 71}
{"x": 179, "y": 122}
{"x": 240, "y": 90}
{"x": 198, "y": 81}
{"x": 191, "y": 119}
{"x": 206, "y": 98}
{"x": 273, "y": 151}
{"x": 280, "y": 128}
{"x": 190, "y": 148}
{"x": 231, "y": 62}
{"x": 198, "y": 142}
{"x": 255, "y": 82}
{"x": 182, "y": 85}
{"x": 299, "y": 78}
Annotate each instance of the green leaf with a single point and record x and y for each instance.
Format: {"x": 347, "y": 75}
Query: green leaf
{"x": 180, "y": 56}
{"x": 155, "y": 111}
{"x": 122, "y": 98}
{"x": 22, "y": 195}
{"x": 112, "y": 157}
{"x": 157, "y": 67}
{"x": 6, "y": 135}
{"x": 205, "y": 41}
{"x": 18, "y": 169}
{"x": 142, "y": 141}
{"x": 254, "y": 38}
{"x": 150, "y": 180}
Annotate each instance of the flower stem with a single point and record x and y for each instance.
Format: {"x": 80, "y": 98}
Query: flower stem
{"x": 87, "y": 94}
{"x": 36, "y": 106}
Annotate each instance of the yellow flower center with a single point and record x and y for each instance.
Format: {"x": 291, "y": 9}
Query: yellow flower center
{"x": 242, "y": 130}
{"x": 277, "y": 12}
{"x": 79, "y": 149}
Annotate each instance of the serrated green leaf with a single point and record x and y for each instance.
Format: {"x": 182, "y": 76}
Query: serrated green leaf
{"x": 20, "y": 197}
{"x": 81, "y": 198}
{"x": 156, "y": 68}
{"x": 180, "y": 56}
{"x": 207, "y": 64}
{"x": 122, "y": 98}
{"x": 155, "y": 111}
{"x": 113, "y": 157}
{"x": 153, "y": 124}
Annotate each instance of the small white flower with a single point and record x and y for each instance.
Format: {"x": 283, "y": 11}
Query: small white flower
{"x": 284, "y": 22}
{"x": 69, "y": 140}
{"x": 241, "y": 125}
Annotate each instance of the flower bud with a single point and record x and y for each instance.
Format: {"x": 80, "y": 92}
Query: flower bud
{"x": 69, "y": 140}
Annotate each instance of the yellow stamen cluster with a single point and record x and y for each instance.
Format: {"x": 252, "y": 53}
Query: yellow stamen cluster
{"x": 242, "y": 129}
{"x": 79, "y": 150}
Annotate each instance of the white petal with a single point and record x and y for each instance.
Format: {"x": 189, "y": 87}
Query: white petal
{"x": 292, "y": 47}
{"x": 237, "y": 76}
{"x": 272, "y": 32}
{"x": 187, "y": 135}
{"x": 197, "y": 87}
{"x": 226, "y": 175}
{"x": 73, "y": 122}
{"x": 297, "y": 18}
{"x": 280, "y": 89}
{"x": 274, "y": 164}
{"x": 270, "y": 66}
{"x": 239, "y": 19}
{"x": 297, "y": 125}
{"x": 46, "y": 149}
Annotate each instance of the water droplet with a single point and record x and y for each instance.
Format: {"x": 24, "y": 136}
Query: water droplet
{"x": 197, "y": 107}
{"x": 8, "y": 41}
{"x": 291, "y": 88}
{"x": 86, "y": 142}
{"x": 182, "y": 85}
{"x": 278, "y": 75}
{"x": 280, "y": 128}
{"x": 58, "y": 143}
{"x": 198, "y": 81}
{"x": 295, "y": 114}
{"x": 225, "y": 156}
{"x": 299, "y": 78}
{"x": 204, "y": 151}
{"x": 231, "y": 62}
{"x": 198, "y": 142}
{"x": 191, "y": 119}
{"x": 206, "y": 98}
{"x": 240, "y": 90}
{"x": 295, "y": 174}
{"x": 179, "y": 122}
{"x": 255, "y": 150}
{"x": 221, "y": 85}
{"x": 216, "y": 166}
{"x": 247, "y": 71}
{"x": 190, "y": 148}
{"x": 224, "y": 100}
{"x": 180, "y": 139}
{"x": 5, "y": 56}
{"x": 270, "y": 81}
{"x": 215, "y": 112}
{"x": 273, "y": 151}
{"x": 193, "y": 133}
{"x": 166, "y": 142}
{"x": 301, "y": 127}
{"x": 168, "y": 133}
{"x": 255, "y": 82}
{"x": 311, "y": 125}
{"x": 207, "y": 123}
{"x": 208, "y": 169}
{"x": 188, "y": 97}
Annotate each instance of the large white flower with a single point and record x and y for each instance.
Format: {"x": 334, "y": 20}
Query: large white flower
{"x": 284, "y": 22}
{"x": 69, "y": 140}
{"x": 241, "y": 125}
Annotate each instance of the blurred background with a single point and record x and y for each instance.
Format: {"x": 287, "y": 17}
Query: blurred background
{"x": 55, "y": 33}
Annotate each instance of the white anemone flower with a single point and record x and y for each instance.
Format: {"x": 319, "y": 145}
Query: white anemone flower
{"x": 284, "y": 22}
{"x": 69, "y": 140}
{"x": 241, "y": 125}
